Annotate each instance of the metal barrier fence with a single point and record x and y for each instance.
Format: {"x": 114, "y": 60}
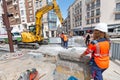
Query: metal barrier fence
{"x": 115, "y": 47}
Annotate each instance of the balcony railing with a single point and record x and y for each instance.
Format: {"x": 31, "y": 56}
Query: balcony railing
{"x": 88, "y": 1}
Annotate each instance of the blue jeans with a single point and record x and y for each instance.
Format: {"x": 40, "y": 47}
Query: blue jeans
{"x": 66, "y": 44}
{"x": 96, "y": 71}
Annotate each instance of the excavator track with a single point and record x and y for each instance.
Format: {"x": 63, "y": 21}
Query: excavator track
{"x": 28, "y": 45}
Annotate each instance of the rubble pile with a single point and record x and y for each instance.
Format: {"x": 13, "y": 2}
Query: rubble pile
{"x": 12, "y": 68}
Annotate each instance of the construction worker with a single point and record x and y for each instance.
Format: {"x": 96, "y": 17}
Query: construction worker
{"x": 87, "y": 39}
{"x": 62, "y": 41}
{"x": 65, "y": 38}
{"x": 99, "y": 49}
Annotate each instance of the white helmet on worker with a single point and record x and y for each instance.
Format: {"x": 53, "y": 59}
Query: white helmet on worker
{"x": 102, "y": 27}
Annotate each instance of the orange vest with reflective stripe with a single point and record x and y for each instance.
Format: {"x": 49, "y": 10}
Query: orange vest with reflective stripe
{"x": 101, "y": 54}
{"x": 65, "y": 38}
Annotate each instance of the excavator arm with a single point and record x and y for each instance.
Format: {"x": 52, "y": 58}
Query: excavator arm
{"x": 41, "y": 12}
{"x": 58, "y": 12}
{"x": 39, "y": 15}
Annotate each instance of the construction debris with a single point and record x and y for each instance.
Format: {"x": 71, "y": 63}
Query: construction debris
{"x": 12, "y": 69}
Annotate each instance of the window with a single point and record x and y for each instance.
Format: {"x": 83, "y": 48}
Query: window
{"x": 118, "y": 6}
{"x": 80, "y": 10}
{"x": 36, "y": 4}
{"x": 80, "y": 3}
{"x": 88, "y": 7}
{"x": 92, "y": 5}
{"x": 22, "y": 12}
{"x": 88, "y": 21}
{"x": 52, "y": 25}
{"x": 17, "y": 20}
{"x": 97, "y": 3}
{"x": 30, "y": 11}
{"x": 80, "y": 23}
{"x": 49, "y": 1}
{"x": 52, "y": 16}
{"x": 30, "y": 4}
{"x": 88, "y": 14}
{"x": 16, "y": 7}
{"x": 92, "y": 20}
{"x": 31, "y": 18}
{"x": 92, "y": 13}
{"x": 23, "y": 20}
{"x": 22, "y": 17}
{"x": 97, "y": 12}
{"x": 80, "y": 17}
{"x": 117, "y": 16}
{"x": 9, "y": 2}
{"x": 97, "y": 20}
{"x": 40, "y": 3}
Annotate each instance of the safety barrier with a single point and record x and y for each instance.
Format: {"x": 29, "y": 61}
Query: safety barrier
{"x": 115, "y": 50}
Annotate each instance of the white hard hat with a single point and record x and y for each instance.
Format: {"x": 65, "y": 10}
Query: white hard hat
{"x": 102, "y": 27}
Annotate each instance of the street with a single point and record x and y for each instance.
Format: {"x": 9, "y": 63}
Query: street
{"x": 47, "y": 62}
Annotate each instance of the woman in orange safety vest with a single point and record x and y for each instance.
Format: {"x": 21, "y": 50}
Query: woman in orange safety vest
{"x": 99, "y": 49}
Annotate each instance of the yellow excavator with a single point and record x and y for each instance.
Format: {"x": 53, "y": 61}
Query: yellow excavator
{"x": 31, "y": 39}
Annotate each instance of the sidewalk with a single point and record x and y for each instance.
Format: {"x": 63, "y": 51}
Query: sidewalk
{"x": 113, "y": 72}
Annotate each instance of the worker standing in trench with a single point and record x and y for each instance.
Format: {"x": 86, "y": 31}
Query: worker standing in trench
{"x": 99, "y": 49}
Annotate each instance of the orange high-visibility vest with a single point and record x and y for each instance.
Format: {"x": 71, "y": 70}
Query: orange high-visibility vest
{"x": 100, "y": 53}
{"x": 65, "y": 38}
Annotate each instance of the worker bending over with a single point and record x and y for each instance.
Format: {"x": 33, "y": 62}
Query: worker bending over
{"x": 65, "y": 38}
{"x": 99, "y": 49}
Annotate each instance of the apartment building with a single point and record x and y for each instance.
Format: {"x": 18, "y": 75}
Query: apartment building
{"x": 30, "y": 11}
{"x": 27, "y": 16}
{"x": 23, "y": 12}
{"x": 85, "y": 14}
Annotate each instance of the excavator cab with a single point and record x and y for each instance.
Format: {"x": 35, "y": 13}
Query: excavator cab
{"x": 32, "y": 29}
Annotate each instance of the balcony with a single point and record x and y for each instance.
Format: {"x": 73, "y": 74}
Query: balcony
{"x": 117, "y": 10}
{"x": 89, "y": 1}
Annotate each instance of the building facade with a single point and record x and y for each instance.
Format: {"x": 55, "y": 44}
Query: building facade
{"x": 85, "y": 14}
{"x": 24, "y": 16}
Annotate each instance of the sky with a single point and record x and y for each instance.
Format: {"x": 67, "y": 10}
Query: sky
{"x": 64, "y": 5}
